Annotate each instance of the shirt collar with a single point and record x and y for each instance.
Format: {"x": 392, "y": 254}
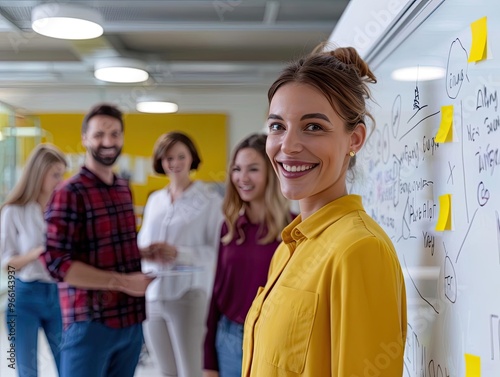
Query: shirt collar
{"x": 89, "y": 174}
{"x": 321, "y": 219}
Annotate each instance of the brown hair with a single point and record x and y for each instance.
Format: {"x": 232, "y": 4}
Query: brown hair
{"x": 102, "y": 109}
{"x": 29, "y": 186}
{"x": 277, "y": 212}
{"x": 165, "y": 142}
{"x": 341, "y": 76}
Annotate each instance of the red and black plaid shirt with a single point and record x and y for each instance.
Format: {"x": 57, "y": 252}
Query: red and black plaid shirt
{"x": 92, "y": 222}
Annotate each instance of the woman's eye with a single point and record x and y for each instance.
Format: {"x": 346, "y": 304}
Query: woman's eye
{"x": 275, "y": 127}
{"x": 313, "y": 127}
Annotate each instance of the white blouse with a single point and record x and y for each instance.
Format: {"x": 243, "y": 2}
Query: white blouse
{"x": 22, "y": 228}
{"x": 192, "y": 224}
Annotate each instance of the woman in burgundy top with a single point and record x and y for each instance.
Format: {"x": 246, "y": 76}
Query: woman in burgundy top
{"x": 255, "y": 213}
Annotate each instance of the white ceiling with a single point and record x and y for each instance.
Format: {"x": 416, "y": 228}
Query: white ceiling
{"x": 212, "y": 46}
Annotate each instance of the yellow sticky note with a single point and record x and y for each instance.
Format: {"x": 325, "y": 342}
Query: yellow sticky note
{"x": 445, "y": 132}
{"x": 472, "y": 365}
{"x": 479, "y": 40}
{"x": 444, "y": 219}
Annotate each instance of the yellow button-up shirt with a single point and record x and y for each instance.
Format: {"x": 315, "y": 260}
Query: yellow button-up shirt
{"x": 334, "y": 303}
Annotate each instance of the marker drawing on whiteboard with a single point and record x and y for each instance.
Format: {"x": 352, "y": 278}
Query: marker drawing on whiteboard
{"x": 428, "y": 241}
{"x": 396, "y": 115}
{"x": 466, "y": 234}
{"x": 451, "y": 173}
{"x": 416, "y": 103}
{"x": 415, "y": 354}
{"x": 485, "y": 99}
{"x": 437, "y": 370}
{"x": 416, "y": 288}
{"x": 450, "y": 280}
{"x": 420, "y": 121}
{"x": 495, "y": 336}
{"x": 456, "y": 68}
{"x": 483, "y": 194}
{"x": 405, "y": 222}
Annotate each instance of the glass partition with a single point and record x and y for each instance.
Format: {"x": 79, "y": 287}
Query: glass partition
{"x": 7, "y": 151}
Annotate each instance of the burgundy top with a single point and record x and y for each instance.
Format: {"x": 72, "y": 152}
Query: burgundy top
{"x": 241, "y": 270}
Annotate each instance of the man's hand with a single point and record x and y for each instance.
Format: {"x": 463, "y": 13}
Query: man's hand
{"x": 133, "y": 284}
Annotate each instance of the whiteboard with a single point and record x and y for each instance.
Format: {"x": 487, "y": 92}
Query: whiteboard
{"x": 453, "y": 276}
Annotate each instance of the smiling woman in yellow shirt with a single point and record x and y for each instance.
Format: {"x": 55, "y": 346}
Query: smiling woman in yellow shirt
{"x": 334, "y": 303}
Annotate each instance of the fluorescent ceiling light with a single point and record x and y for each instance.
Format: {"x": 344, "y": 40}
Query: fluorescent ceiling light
{"x": 157, "y": 107}
{"x": 66, "y": 21}
{"x": 418, "y": 73}
{"x": 120, "y": 70}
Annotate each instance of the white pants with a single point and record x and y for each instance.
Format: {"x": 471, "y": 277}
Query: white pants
{"x": 174, "y": 333}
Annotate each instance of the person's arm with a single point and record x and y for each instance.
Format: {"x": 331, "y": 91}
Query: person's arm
{"x": 65, "y": 222}
{"x": 20, "y": 261}
{"x": 366, "y": 311}
{"x": 8, "y": 243}
{"x": 84, "y": 276}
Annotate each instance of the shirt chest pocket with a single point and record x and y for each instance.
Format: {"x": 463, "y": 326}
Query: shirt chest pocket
{"x": 287, "y": 320}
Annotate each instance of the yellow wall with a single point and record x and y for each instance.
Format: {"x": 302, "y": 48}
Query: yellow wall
{"x": 141, "y": 131}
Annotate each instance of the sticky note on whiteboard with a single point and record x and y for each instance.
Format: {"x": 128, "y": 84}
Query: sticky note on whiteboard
{"x": 445, "y": 132}
{"x": 472, "y": 365}
{"x": 444, "y": 218}
{"x": 479, "y": 40}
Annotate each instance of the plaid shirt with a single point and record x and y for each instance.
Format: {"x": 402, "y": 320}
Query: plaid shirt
{"x": 92, "y": 222}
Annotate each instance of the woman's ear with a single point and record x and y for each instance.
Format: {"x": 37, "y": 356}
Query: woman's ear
{"x": 358, "y": 137}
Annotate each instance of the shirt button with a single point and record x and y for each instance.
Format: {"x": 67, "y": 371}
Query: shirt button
{"x": 297, "y": 233}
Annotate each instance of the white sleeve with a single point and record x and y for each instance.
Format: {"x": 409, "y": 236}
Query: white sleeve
{"x": 8, "y": 235}
{"x": 205, "y": 255}
{"x": 144, "y": 235}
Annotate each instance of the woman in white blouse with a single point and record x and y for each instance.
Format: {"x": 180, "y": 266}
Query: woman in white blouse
{"x": 33, "y": 299}
{"x": 181, "y": 220}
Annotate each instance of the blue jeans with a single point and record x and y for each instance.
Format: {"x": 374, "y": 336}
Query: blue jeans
{"x": 229, "y": 344}
{"x": 36, "y": 305}
{"x": 91, "y": 349}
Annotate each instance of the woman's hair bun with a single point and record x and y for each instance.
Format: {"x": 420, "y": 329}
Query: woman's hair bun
{"x": 350, "y": 57}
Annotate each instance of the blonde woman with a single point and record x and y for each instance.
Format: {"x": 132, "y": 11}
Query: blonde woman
{"x": 22, "y": 240}
{"x": 255, "y": 213}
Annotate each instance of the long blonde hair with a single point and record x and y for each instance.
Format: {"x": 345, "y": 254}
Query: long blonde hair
{"x": 29, "y": 186}
{"x": 277, "y": 208}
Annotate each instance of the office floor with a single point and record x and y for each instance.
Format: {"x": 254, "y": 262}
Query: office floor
{"x": 46, "y": 367}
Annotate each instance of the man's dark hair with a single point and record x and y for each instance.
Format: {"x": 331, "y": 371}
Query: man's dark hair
{"x": 102, "y": 109}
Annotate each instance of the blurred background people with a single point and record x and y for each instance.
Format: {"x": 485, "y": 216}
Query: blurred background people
{"x": 22, "y": 240}
{"x": 255, "y": 213}
{"x": 182, "y": 220}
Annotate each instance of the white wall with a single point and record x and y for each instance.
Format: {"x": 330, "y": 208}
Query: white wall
{"x": 364, "y": 22}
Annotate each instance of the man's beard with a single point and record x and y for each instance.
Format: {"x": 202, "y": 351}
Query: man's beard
{"x": 106, "y": 161}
